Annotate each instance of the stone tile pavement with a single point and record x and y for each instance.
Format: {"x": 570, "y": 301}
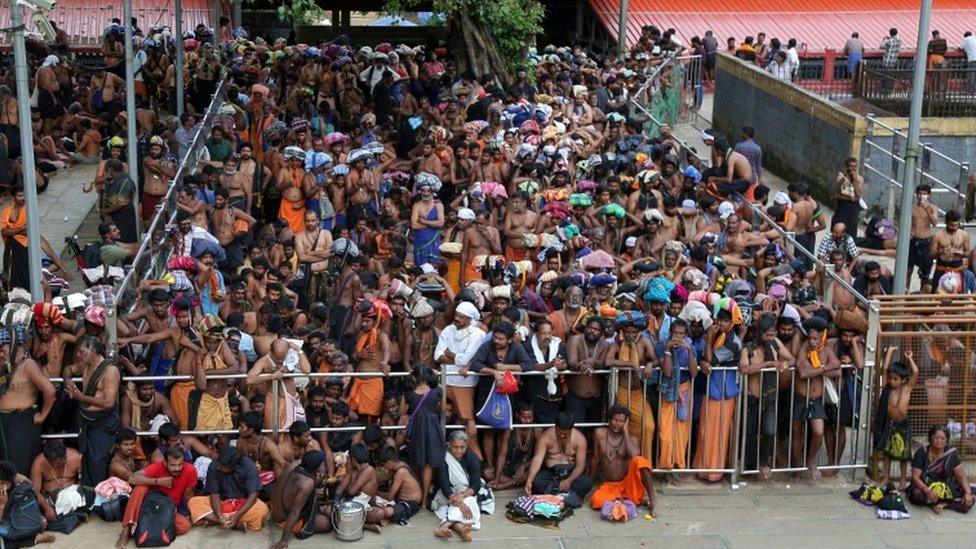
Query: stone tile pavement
{"x": 804, "y": 514}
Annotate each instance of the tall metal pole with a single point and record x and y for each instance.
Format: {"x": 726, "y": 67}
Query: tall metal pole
{"x": 911, "y": 150}
{"x": 622, "y": 31}
{"x": 178, "y": 33}
{"x": 27, "y": 151}
{"x": 130, "y": 100}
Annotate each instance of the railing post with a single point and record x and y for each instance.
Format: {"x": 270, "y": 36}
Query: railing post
{"x": 112, "y": 327}
{"x": 737, "y": 462}
{"x": 895, "y": 145}
{"x": 443, "y": 402}
{"x": 872, "y": 352}
{"x": 965, "y": 189}
{"x": 276, "y": 420}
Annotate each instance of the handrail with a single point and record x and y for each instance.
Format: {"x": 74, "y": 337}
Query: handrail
{"x": 797, "y": 246}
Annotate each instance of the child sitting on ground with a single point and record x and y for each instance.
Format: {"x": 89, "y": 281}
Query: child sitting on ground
{"x": 892, "y": 431}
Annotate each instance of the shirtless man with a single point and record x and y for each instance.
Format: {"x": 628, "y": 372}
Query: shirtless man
{"x": 737, "y": 165}
{"x": 815, "y": 361}
{"x": 950, "y": 248}
{"x": 52, "y": 471}
{"x": 585, "y": 353}
{"x": 159, "y": 171}
{"x": 140, "y": 405}
{"x": 479, "y": 239}
{"x": 362, "y": 188}
{"x": 225, "y": 228}
{"x": 123, "y": 463}
{"x": 180, "y": 344}
{"x": 293, "y": 501}
{"x": 808, "y": 219}
{"x": 559, "y": 464}
{"x": 49, "y": 92}
{"x": 925, "y": 215}
{"x": 239, "y": 185}
{"x": 257, "y": 446}
{"x": 519, "y": 221}
{"x": 735, "y": 239}
{"x": 294, "y": 184}
{"x": 763, "y": 389}
{"x": 256, "y": 174}
{"x": 515, "y": 457}
{"x": 188, "y": 202}
{"x": 359, "y": 482}
{"x": 299, "y": 441}
{"x": 634, "y": 356}
{"x": 313, "y": 247}
{"x": 426, "y": 161}
{"x": 626, "y": 473}
{"x": 98, "y": 401}
{"x": 271, "y": 368}
{"x": 21, "y": 423}
{"x": 372, "y": 353}
{"x": 404, "y": 492}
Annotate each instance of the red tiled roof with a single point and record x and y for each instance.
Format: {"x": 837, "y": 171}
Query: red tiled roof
{"x": 821, "y": 25}
{"x": 86, "y": 20}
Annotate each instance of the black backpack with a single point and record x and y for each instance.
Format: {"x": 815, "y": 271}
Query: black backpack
{"x": 23, "y": 520}
{"x": 91, "y": 255}
{"x": 157, "y": 521}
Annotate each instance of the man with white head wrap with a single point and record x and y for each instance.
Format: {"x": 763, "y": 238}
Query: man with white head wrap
{"x": 456, "y": 346}
{"x": 48, "y": 93}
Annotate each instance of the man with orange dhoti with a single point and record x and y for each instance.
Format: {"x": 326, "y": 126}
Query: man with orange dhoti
{"x": 373, "y": 356}
{"x": 294, "y": 187}
{"x": 633, "y": 355}
{"x": 679, "y": 364}
{"x": 626, "y": 473}
{"x": 722, "y": 347}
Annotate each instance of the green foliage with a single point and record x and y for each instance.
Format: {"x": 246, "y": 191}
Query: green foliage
{"x": 512, "y": 23}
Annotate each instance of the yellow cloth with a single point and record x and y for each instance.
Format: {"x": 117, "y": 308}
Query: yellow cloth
{"x": 814, "y": 354}
{"x": 253, "y": 519}
{"x": 641, "y": 422}
{"x": 213, "y": 413}
{"x": 673, "y": 435}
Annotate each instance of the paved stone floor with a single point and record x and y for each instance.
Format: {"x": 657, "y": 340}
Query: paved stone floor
{"x": 772, "y": 514}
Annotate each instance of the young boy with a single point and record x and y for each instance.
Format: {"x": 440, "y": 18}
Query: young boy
{"x": 892, "y": 430}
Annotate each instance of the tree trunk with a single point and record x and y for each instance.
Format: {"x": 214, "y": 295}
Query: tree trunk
{"x": 482, "y": 56}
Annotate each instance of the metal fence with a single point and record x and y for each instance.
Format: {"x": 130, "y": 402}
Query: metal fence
{"x": 950, "y": 89}
{"x": 939, "y": 332}
{"x": 673, "y": 94}
{"x": 882, "y": 157}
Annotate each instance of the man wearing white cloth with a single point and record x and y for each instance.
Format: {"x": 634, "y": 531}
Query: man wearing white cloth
{"x": 456, "y": 345}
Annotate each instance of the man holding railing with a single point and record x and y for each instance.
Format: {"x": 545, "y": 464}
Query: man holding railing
{"x": 816, "y": 363}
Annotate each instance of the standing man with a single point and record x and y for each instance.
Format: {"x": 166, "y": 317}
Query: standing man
{"x": 626, "y": 473}
{"x": 13, "y": 229}
{"x": 950, "y": 248}
{"x": 751, "y": 150}
{"x": 20, "y": 421}
{"x": 98, "y": 410}
{"x": 808, "y": 219}
{"x": 586, "y": 352}
{"x": 793, "y": 58}
{"x": 456, "y": 346}
{"x": 159, "y": 170}
{"x": 815, "y": 361}
{"x": 118, "y": 198}
{"x": 890, "y": 48}
{"x": 968, "y": 47}
{"x": 312, "y": 247}
{"x": 854, "y": 49}
{"x": 925, "y": 215}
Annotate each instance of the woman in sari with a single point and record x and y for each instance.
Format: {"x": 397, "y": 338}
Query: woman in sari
{"x": 455, "y": 503}
{"x": 938, "y": 478}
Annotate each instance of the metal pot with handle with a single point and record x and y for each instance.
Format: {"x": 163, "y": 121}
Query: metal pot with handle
{"x": 348, "y": 518}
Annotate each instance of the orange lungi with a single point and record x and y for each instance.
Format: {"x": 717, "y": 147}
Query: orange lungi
{"x": 673, "y": 435}
{"x": 134, "y": 508}
{"x": 293, "y": 213}
{"x": 714, "y": 432}
{"x": 516, "y": 254}
{"x": 366, "y": 396}
{"x": 453, "y": 272}
{"x": 253, "y": 519}
{"x": 179, "y": 397}
{"x": 631, "y": 487}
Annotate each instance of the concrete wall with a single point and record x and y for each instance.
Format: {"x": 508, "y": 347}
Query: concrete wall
{"x": 804, "y": 137}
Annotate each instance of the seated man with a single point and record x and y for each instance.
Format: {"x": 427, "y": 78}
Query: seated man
{"x": 514, "y": 457}
{"x": 173, "y": 477}
{"x": 626, "y": 473}
{"x": 259, "y": 447}
{"x": 359, "y": 483}
{"x": 299, "y": 441}
{"x": 53, "y": 472}
{"x": 559, "y": 461}
{"x": 10, "y": 478}
{"x": 123, "y": 463}
{"x": 189, "y": 445}
{"x": 376, "y": 441}
{"x": 232, "y": 488}
{"x": 404, "y": 492}
{"x": 293, "y": 502}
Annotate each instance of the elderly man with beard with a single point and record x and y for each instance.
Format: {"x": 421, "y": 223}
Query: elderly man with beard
{"x": 495, "y": 357}
{"x": 159, "y": 170}
{"x": 20, "y": 421}
{"x": 542, "y": 392}
{"x": 456, "y": 346}
{"x": 568, "y": 320}
{"x": 180, "y": 345}
{"x": 585, "y": 353}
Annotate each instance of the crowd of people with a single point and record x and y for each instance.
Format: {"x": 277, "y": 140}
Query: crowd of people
{"x": 422, "y": 279}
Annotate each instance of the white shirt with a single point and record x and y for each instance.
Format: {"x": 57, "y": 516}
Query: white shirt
{"x": 780, "y": 71}
{"x": 464, "y": 344}
{"x": 139, "y": 59}
{"x": 793, "y": 60}
{"x": 969, "y": 46}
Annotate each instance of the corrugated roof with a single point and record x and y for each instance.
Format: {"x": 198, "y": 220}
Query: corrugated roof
{"x": 86, "y": 20}
{"x": 825, "y": 24}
